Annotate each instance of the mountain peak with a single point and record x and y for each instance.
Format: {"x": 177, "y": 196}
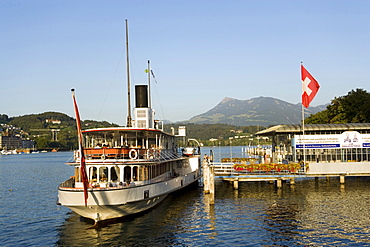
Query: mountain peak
{"x": 264, "y": 111}
{"x": 226, "y": 99}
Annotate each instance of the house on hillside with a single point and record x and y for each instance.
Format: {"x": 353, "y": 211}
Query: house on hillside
{"x": 53, "y": 121}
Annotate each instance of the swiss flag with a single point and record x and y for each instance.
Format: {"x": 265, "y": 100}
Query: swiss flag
{"x": 309, "y": 87}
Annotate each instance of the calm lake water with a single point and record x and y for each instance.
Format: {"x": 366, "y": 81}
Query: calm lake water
{"x": 309, "y": 213}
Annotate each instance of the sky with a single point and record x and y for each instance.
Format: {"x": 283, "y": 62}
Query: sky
{"x": 200, "y": 51}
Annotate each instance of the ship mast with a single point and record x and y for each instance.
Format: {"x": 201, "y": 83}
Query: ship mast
{"x": 150, "y": 99}
{"x": 129, "y": 119}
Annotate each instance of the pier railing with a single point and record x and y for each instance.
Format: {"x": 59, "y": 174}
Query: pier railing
{"x": 227, "y": 169}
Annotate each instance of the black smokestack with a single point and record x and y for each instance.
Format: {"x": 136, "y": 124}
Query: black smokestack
{"x": 141, "y": 95}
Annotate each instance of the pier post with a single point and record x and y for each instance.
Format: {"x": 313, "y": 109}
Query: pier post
{"x": 236, "y": 184}
{"x": 279, "y": 183}
{"x": 206, "y": 175}
{"x": 341, "y": 179}
{"x": 292, "y": 181}
{"x": 211, "y": 169}
{"x": 209, "y": 179}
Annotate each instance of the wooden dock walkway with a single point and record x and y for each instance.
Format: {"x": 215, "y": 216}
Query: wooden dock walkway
{"x": 225, "y": 171}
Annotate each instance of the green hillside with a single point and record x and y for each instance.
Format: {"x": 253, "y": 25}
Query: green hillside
{"x": 49, "y": 129}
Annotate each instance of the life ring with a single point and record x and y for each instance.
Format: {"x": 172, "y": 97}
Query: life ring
{"x": 150, "y": 154}
{"x": 133, "y": 154}
{"x": 103, "y": 157}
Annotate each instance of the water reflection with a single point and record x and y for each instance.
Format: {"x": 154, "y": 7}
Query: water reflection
{"x": 310, "y": 212}
{"x": 156, "y": 227}
{"x": 209, "y": 211}
{"x": 280, "y": 220}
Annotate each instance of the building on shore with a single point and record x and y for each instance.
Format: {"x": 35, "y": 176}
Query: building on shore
{"x": 15, "y": 142}
{"x": 320, "y": 142}
{"x": 10, "y": 142}
{"x": 321, "y": 150}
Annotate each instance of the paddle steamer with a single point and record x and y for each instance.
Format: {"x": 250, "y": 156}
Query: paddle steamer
{"x": 125, "y": 170}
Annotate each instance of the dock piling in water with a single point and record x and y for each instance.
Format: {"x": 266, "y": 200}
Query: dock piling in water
{"x": 341, "y": 178}
{"x": 279, "y": 183}
{"x": 211, "y": 185}
{"x": 236, "y": 184}
{"x": 209, "y": 179}
{"x": 205, "y": 175}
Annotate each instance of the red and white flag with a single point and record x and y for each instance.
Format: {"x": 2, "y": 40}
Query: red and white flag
{"x": 309, "y": 87}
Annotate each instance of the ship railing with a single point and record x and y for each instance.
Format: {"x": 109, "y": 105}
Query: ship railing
{"x": 128, "y": 154}
{"x": 163, "y": 177}
{"x": 106, "y": 153}
{"x": 163, "y": 155}
{"x": 68, "y": 183}
{"x": 168, "y": 155}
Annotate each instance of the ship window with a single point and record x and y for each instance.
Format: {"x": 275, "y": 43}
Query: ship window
{"x": 141, "y": 113}
{"x": 127, "y": 173}
{"x": 141, "y": 123}
{"x": 93, "y": 173}
{"x": 103, "y": 174}
{"x": 114, "y": 173}
{"x": 135, "y": 171}
{"x": 144, "y": 173}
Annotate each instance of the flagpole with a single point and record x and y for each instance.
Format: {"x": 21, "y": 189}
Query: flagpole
{"x": 309, "y": 89}
{"x": 303, "y": 141}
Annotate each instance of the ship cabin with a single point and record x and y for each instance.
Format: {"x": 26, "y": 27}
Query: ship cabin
{"x": 127, "y": 144}
{"x": 122, "y": 156}
{"x": 138, "y": 155}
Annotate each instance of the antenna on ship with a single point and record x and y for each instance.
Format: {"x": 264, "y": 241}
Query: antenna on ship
{"x": 129, "y": 119}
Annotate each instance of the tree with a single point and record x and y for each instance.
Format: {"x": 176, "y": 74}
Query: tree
{"x": 4, "y": 118}
{"x": 351, "y": 108}
{"x": 42, "y": 142}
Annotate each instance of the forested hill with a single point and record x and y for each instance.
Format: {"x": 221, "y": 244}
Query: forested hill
{"x": 221, "y": 132}
{"x": 48, "y": 120}
{"x": 41, "y": 121}
{"x": 49, "y": 129}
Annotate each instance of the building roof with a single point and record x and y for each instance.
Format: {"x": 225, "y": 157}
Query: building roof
{"x": 296, "y": 128}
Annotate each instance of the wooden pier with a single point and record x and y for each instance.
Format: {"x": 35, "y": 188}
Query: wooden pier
{"x": 225, "y": 171}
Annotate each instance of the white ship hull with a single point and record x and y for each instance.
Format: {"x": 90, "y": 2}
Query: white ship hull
{"x": 110, "y": 203}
